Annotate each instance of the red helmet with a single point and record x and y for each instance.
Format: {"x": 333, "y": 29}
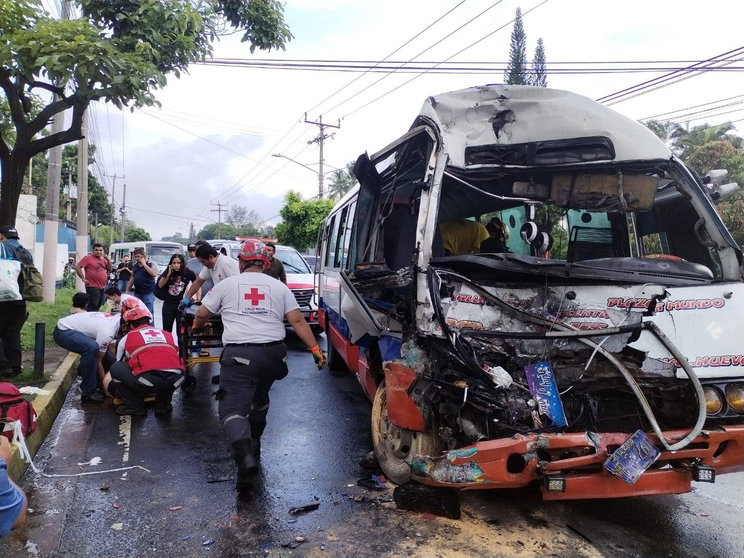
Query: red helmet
{"x": 136, "y": 313}
{"x": 254, "y": 250}
{"x": 129, "y": 304}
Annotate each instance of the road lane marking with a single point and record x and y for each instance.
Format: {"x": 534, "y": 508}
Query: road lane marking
{"x": 125, "y": 433}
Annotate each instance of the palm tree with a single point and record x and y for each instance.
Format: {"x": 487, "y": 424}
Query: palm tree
{"x": 342, "y": 180}
{"x": 686, "y": 138}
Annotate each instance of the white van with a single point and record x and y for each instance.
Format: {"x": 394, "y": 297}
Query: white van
{"x": 158, "y": 251}
{"x": 595, "y": 350}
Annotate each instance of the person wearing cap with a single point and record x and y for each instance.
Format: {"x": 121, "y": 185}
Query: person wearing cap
{"x": 147, "y": 361}
{"x": 276, "y": 267}
{"x": 12, "y": 312}
{"x": 88, "y": 334}
{"x": 253, "y": 307}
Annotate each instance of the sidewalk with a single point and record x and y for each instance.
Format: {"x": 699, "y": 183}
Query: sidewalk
{"x": 47, "y": 405}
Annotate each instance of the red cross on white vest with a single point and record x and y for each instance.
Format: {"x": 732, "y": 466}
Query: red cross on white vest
{"x": 152, "y": 333}
{"x": 254, "y": 296}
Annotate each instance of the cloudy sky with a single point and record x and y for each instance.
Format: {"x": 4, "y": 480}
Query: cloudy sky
{"x": 212, "y": 140}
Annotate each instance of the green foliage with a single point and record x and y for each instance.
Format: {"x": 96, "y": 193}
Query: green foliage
{"x": 177, "y": 237}
{"x": 218, "y": 230}
{"x": 48, "y": 313}
{"x": 102, "y": 234}
{"x": 516, "y": 67}
{"x": 120, "y": 51}
{"x": 134, "y": 234}
{"x": 343, "y": 180}
{"x": 301, "y": 220}
{"x": 246, "y": 222}
{"x": 539, "y": 77}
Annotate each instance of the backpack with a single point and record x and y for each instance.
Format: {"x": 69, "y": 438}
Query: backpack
{"x": 13, "y": 407}
{"x": 160, "y": 292}
{"x": 29, "y": 279}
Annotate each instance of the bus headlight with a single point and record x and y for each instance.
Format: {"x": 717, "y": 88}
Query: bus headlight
{"x": 713, "y": 401}
{"x": 735, "y": 397}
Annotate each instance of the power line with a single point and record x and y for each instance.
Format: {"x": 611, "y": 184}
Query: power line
{"x": 447, "y": 59}
{"x": 440, "y": 18}
{"x": 692, "y": 107}
{"x": 663, "y": 81}
{"x": 439, "y": 41}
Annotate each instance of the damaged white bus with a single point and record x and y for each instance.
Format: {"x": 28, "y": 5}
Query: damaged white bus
{"x": 593, "y": 347}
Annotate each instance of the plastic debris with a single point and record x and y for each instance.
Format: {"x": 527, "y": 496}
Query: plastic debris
{"x": 305, "y": 508}
{"x": 115, "y": 506}
{"x": 371, "y": 483}
{"x": 208, "y": 542}
{"x": 322, "y": 547}
{"x": 300, "y": 538}
{"x": 117, "y": 526}
{"x": 175, "y": 508}
{"x": 32, "y": 549}
{"x": 185, "y": 537}
{"x": 92, "y": 462}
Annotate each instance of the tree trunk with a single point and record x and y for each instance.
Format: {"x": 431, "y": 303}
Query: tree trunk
{"x": 10, "y": 188}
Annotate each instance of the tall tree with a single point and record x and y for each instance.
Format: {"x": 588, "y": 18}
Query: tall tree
{"x": 119, "y": 51}
{"x": 539, "y": 77}
{"x": 301, "y": 220}
{"x": 516, "y": 67}
{"x": 342, "y": 180}
{"x": 217, "y": 230}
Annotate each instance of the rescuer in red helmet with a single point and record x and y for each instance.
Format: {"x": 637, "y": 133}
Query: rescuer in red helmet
{"x": 253, "y": 307}
{"x": 147, "y": 362}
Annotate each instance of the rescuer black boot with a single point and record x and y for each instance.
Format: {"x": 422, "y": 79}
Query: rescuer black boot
{"x": 246, "y": 462}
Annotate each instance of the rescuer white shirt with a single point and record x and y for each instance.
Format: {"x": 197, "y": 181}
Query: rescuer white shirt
{"x": 97, "y": 325}
{"x": 252, "y": 307}
{"x": 223, "y": 268}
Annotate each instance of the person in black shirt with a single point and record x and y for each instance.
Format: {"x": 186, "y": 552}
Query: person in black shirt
{"x": 124, "y": 272}
{"x": 174, "y": 281}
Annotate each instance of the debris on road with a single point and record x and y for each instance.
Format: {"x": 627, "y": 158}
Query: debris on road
{"x": 372, "y": 483}
{"x": 117, "y": 526}
{"x": 175, "y": 508}
{"x": 305, "y": 508}
{"x": 208, "y": 542}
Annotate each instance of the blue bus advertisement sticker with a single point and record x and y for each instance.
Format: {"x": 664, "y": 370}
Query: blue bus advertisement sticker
{"x": 630, "y": 460}
{"x": 541, "y": 381}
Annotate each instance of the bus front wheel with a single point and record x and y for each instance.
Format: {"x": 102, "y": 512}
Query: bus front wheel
{"x": 395, "y": 446}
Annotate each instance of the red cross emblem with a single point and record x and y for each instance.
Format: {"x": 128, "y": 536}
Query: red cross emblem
{"x": 152, "y": 333}
{"x": 254, "y": 296}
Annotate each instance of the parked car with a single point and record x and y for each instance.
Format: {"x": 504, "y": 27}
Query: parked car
{"x": 300, "y": 278}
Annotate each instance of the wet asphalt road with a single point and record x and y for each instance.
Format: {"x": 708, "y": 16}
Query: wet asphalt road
{"x": 185, "y": 505}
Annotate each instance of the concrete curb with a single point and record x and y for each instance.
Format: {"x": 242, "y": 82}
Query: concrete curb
{"x": 47, "y": 406}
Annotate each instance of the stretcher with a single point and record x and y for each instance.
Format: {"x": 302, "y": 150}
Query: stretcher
{"x": 196, "y": 347}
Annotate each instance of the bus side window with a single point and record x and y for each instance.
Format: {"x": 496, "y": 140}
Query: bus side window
{"x": 332, "y": 232}
{"x": 346, "y": 257}
{"x": 341, "y": 233}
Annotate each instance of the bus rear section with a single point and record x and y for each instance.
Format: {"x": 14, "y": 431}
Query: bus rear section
{"x": 532, "y": 288}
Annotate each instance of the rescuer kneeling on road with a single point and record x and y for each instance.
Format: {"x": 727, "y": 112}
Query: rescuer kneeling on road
{"x": 151, "y": 364}
{"x": 253, "y": 307}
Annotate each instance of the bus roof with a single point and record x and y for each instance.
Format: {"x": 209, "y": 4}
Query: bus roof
{"x": 518, "y": 114}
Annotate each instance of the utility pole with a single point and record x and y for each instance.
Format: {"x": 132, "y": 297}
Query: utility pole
{"x": 51, "y": 221}
{"x": 219, "y": 211}
{"x": 82, "y": 238}
{"x": 322, "y": 136}
{"x": 113, "y": 207}
{"x": 123, "y": 211}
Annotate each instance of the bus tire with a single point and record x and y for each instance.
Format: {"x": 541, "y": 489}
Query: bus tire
{"x": 395, "y": 446}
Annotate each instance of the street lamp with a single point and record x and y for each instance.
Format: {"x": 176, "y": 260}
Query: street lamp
{"x": 319, "y": 173}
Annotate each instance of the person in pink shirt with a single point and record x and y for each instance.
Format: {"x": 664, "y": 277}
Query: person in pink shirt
{"x": 93, "y": 269}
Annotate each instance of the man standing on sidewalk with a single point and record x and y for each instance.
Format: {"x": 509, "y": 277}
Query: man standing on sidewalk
{"x": 253, "y": 307}
{"x": 12, "y": 312}
{"x": 93, "y": 269}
